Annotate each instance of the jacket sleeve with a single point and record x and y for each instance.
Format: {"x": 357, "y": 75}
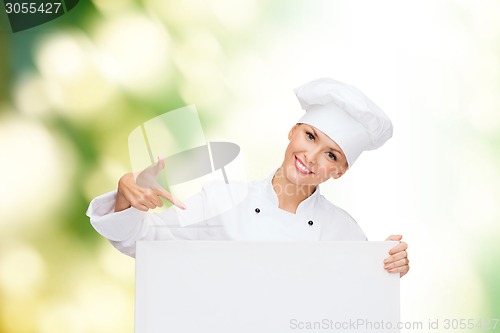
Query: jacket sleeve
{"x": 124, "y": 228}
{"x": 203, "y": 219}
{"x": 357, "y": 234}
{"x": 338, "y": 225}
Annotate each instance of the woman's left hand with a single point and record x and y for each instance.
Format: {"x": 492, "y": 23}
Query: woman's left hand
{"x": 397, "y": 262}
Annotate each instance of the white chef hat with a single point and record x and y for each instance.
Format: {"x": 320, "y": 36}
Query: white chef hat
{"x": 345, "y": 114}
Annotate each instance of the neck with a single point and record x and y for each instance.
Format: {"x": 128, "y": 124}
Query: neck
{"x": 290, "y": 195}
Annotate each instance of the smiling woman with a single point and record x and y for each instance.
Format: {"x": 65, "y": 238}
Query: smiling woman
{"x": 340, "y": 123}
{"x": 311, "y": 158}
{"x": 319, "y": 151}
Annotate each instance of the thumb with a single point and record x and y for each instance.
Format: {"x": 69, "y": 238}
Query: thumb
{"x": 394, "y": 238}
{"x": 159, "y": 166}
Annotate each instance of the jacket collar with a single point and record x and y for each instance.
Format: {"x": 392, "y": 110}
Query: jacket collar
{"x": 305, "y": 205}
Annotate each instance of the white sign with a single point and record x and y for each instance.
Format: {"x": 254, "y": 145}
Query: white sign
{"x": 264, "y": 287}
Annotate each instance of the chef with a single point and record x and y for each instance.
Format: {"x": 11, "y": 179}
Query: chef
{"x": 339, "y": 124}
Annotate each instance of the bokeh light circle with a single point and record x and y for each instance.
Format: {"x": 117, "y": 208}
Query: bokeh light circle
{"x": 36, "y": 173}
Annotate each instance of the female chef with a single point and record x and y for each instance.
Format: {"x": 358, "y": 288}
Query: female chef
{"x": 339, "y": 124}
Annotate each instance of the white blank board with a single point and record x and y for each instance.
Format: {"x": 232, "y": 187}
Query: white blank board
{"x": 278, "y": 287}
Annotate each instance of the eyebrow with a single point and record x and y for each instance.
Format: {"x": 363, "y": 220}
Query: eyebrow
{"x": 331, "y": 148}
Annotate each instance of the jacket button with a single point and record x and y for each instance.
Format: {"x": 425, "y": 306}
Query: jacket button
{"x": 310, "y": 222}
{"x": 257, "y": 210}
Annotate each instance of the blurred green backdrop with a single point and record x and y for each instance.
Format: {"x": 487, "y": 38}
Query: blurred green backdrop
{"x": 73, "y": 89}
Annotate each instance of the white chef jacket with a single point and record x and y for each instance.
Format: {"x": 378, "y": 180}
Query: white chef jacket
{"x": 238, "y": 211}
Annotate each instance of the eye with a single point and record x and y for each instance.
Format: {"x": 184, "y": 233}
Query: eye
{"x": 332, "y": 156}
{"x": 310, "y": 136}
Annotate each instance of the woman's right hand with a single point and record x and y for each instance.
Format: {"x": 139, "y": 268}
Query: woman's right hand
{"x": 143, "y": 191}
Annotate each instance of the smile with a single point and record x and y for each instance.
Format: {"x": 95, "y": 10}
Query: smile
{"x": 301, "y": 167}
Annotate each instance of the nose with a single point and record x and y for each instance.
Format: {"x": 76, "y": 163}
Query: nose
{"x": 311, "y": 156}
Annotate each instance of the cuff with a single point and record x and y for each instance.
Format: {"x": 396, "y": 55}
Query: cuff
{"x": 115, "y": 226}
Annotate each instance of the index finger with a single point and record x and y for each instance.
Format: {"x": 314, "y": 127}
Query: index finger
{"x": 169, "y": 197}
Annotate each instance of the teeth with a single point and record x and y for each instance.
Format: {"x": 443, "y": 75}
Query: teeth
{"x": 302, "y": 167}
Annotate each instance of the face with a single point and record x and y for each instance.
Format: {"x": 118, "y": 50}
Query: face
{"x": 311, "y": 157}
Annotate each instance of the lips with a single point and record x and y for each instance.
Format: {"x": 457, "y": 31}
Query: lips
{"x": 301, "y": 167}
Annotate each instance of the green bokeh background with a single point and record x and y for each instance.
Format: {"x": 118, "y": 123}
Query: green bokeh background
{"x": 73, "y": 89}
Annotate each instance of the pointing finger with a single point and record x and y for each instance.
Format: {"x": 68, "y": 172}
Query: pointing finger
{"x": 169, "y": 197}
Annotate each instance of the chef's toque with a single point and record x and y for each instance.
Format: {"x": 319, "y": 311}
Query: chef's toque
{"x": 345, "y": 114}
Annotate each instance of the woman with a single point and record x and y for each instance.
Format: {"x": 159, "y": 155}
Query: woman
{"x": 340, "y": 122}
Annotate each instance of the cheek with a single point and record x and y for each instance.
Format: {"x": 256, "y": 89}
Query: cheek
{"x": 328, "y": 170}
{"x": 294, "y": 146}
{"x": 288, "y": 151}
{"x": 294, "y": 142}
